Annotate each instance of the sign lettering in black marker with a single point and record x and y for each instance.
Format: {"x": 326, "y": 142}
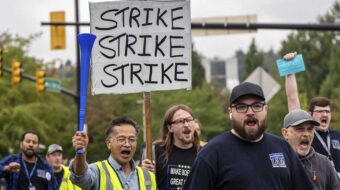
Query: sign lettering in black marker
{"x": 140, "y": 46}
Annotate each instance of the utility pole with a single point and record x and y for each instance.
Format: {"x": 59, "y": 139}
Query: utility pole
{"x": 77, "y": 99}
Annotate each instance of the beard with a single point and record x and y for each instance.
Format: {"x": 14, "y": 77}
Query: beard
{"x": 240, "y": 128}
{"x": 29, "y": 153}
{"x": 187, "y": 141}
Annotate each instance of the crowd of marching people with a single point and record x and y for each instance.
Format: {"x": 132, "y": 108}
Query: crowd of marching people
{"x": 305, "y": 157}
{"x": 29, "y": 170}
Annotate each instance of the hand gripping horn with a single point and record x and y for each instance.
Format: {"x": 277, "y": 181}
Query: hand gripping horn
{"x": 86, "y": 42}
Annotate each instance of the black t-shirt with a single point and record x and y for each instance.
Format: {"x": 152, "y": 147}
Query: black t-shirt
{"x": 334, "y": 146}
{"x": 59, "y": 176}
{"x": 174, "y": 173}
{"x": 228, "y": 162}
{"x": 38, "y": 180}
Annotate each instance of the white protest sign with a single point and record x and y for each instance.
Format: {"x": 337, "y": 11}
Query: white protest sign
{"x": 141, "y": 46}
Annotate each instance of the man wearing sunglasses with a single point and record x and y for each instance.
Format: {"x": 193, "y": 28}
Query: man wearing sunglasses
{"x": 119, "y": 171}
{"x": 247, "y": 158}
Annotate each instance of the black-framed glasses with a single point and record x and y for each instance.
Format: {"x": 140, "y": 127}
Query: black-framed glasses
{"x": 122, "y": 140}
{"x": 243, "y": 108}
{"x": 181, "y": 122}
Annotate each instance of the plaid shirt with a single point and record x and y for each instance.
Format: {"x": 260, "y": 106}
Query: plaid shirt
{"x": 13, "y": 177}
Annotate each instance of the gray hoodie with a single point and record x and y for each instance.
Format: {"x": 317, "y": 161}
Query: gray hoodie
{"x": 321, "y": 171}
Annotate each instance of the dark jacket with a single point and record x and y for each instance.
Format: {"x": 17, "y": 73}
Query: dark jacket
{"x": 13, "y": 177}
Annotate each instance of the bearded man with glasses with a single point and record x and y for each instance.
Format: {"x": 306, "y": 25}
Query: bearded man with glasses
{"x": 247, "y": 158}
{"x": 119, "y": 171}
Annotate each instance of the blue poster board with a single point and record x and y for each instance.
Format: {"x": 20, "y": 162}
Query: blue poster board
{"x": 290, "y": 67}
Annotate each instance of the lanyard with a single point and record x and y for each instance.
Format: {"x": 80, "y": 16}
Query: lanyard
{"x": 29, "y": 177}
{"x": 326, "y": 147}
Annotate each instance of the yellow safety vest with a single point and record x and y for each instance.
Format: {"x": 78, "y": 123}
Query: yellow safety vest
{"x": 66, "y": 183}
{"x": 147, "y": 180}
{"x": 202, "y": 143}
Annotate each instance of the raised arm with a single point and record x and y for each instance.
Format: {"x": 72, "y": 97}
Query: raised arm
{"x": 80, "y": 141}
{"x": 291, "y": 87}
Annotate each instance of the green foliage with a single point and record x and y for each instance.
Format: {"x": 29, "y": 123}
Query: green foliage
{"x": 331, "y": 80}
{"x": 207, "y": 105}
{"x": 15, "y": 48}
{"x": 54, "y": 116}
{"x": 197, "y": 71}
{"x": 321, "y": 53}
{"x": 252, "y": 60}
{"x": 330, "y": 87}
{"x": 22, "y": 108}
{"x": 316, "y": 48}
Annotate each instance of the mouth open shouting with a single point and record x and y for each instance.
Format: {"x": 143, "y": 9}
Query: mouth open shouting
{"x": 324, "y": 123}
{"x": 303, "y": 147}
{"x": 251, "y": 122}
{"x": 187, "y": 135}
{"x": 251, "y": 129}
{"x": 126, "y": 154}
{"x": 305, "y": 144}
{"x": 324, "y": 120}
{"x": 187, "y": 132}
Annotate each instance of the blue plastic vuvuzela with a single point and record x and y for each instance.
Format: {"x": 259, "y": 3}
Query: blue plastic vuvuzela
{"x": 86, "y": 42}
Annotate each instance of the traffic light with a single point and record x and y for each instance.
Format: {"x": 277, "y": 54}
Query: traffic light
{"x": 58, "y": 33}
{"x": 16, "y": 72}
{"x": 1, "y": 62}
{"x": 40, "y": 80}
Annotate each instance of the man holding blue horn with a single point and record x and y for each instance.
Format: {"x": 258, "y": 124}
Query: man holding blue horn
{"x": 119, "y": 171}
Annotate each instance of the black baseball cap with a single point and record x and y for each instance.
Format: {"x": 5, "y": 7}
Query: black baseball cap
{"x": 246, "y": 88}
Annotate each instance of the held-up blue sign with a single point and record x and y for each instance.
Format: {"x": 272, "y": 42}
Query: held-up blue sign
{"x": 292, "y": 66}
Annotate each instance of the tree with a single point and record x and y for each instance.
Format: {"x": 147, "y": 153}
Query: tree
{"x": 22, "y": 108}
{"x": 321, "y": 54}
{"x": 53, "y": 115}
{"x": 197, "y": 71}
{"x": 253, "y": 59}
{"x": 316, "y": 48}
{"x": 328, "y": 87}
{"x": 207, "y": 105}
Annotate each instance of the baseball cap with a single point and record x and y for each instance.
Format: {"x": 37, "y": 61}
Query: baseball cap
{"x": 246, "y": 88}
{"x": 53, "y": 148}
{"x": 297, "y": 117}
